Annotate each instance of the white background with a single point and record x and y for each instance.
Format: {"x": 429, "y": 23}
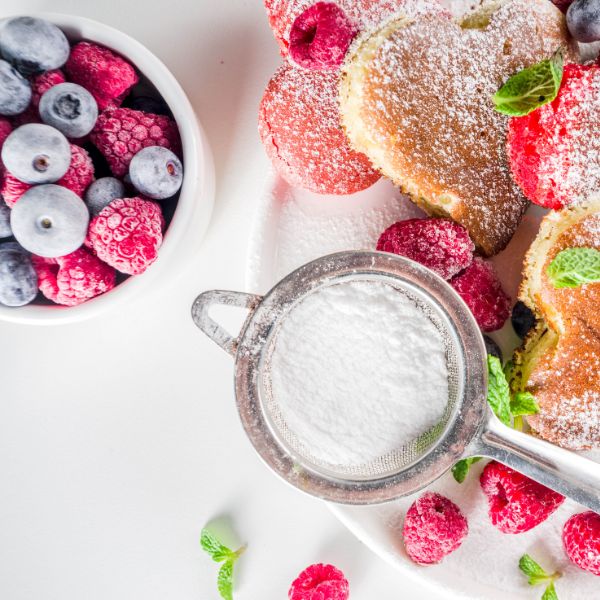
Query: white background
{"x": 119, "y": 437}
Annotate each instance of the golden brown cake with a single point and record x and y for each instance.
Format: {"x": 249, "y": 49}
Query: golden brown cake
{"x": 560, "y": 361}
{"x": 416, "y": 98}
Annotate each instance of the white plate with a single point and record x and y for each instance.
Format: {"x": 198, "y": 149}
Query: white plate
{"x": 293, "y": 227}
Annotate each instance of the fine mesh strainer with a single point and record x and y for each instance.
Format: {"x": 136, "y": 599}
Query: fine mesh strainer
{"x": 467, "y": 428}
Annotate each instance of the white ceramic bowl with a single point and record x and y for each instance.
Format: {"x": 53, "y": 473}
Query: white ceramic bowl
{"x": 196, "y": 198}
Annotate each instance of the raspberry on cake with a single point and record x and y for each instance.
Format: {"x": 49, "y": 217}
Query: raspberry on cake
{"x": 516, "y": 503}
{"x": 439, "y": 244}
{"x": 433, "y": 528}
{"x": 319, "y": 582}
{"x": 555, "y": 150}
{"x": 106, "y": 75}
{"x": 299, "y": 125}
{"x": 127, "y": 234}
{"x": 121, "y": 133}
{"x": 72, "y": 279}
{"x": 77, "y": 178}
{"x": 320, "y": 37}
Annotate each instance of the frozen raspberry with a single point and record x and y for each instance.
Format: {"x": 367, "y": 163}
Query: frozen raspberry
{"x": 5, "y": 129}
{"x": 73, "y": 279}
{"x": 516, "y": 503}
{"x": 562, "y": 4}
{"x": 361, "y": 14}
{"x": 433, "y": 528}
{"x": 479, "y": 286}
{"x": 127, "y": 234}
{"x": 581, "y": 539}
{"x": 320, "y": 37}
{"x": 39, "y": 84}
{"x": 439, "y": 244}
{"x": 106, "y": 75}
{"x": 121, "y": 133}
{"x": 299, "y": 125}
{"x": 555, "y": 151}
{"x": 77, "y": 178}
{"x": 320, "y": 582}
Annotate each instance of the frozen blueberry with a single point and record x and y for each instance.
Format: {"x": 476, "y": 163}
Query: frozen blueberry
{"x": 102, "y": 192}
{"x": 492, "y": 348}
{"x": 156, "y": 172}
{"x": 70, "y": 108}
{"x": 18, "y": 279}
{"x": 33, "y": 45}
{"x": 522, "y": 318}
{"x": 50, "y": 220}
{"x": 15, "y": 90}
{"x": 149, "y": 105}
{"x": 36, "y": 153}
{"x": 583, "y": 20}
{"x": 5, "y": 230}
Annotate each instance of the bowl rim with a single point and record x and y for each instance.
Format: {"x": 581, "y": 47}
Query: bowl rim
{"x": 196, "y": 200}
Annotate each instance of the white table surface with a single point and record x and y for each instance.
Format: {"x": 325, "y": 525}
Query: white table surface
{"x": 119, "y": 437}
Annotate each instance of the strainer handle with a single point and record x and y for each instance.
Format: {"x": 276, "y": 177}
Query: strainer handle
{"x": 566, "y": 472}
{"x": 201, "y": 307}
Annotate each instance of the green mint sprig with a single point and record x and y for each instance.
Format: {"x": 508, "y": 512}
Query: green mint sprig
{"x": 221, "y": 554}
{"x": 537, "y": 576}
{"x": 573, "y": 267}
{"x": 531, "y": 88}
{"x": 509, "y": 410}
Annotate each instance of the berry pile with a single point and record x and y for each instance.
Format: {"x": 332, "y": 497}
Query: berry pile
{"x": 446, "y": 248}
{"x": 69, "y": 114}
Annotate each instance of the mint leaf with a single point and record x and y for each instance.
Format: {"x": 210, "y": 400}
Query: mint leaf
{"x": 531, "y": 88}
{"x": 225, "y": 580}
{"x": 536, "y": 575}
{"x": 532, "y": 569}
{"x": 498, "y": 394}
{"x": 524, "y": 403}
{"x": 574, "y": 267}
{"x": 213, "y": 546}
{"x": 550, "y": 593}
{"x": 461, "y": 469}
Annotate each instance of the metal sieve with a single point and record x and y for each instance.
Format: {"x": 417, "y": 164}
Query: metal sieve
{"x": 467, "y": 428}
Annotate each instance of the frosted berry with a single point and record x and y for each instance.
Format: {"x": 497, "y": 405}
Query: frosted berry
{"x": 581, "y": 539}
{"x": 552, "y": 151}
{"x": 5, "y": 230}
{"x": 5, "y": 130}
{"x": 478, "y": 285}
{"x": 18, "y": 279}
{"x": 73, "y": 279}
{"x": 516, "y": 503}
{"x": 106, "y": 75}
{"x": 583, "y": 20}
{"x": 156, "y": 172}
{"x": 320, "y": 582}
{"x": 121, "y": 133}
{"x": 50, "y": 220}
{"x": 15, "y": 91}
{"x": 77, "y": 178}
{"x": 439, "y": 244}
{"x": 127, "y": 234}
{"x": 33, "y": 45}
{"x": 70, "y": 108}
{"x": 433, "y": 528}
{"x": 36, "y": 153}
{"x": 522, "y": 318}
{"x": 320, "y": 37}
{"x": 102, "y": 192}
